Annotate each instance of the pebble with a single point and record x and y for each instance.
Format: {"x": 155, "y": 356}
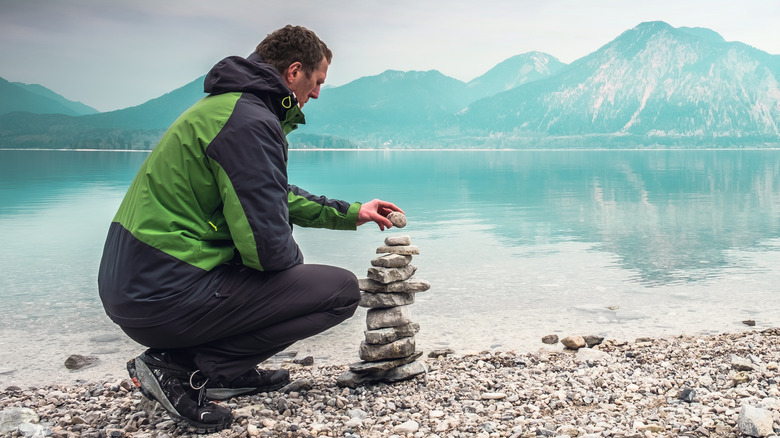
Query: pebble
{"x": 77, "y": 361}
{"x": 657, "y": 391}
{"x": 573, "y": 342}
{"x": 410, "y": 426}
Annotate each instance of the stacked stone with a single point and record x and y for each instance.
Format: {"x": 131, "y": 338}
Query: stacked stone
{"x": 388, "y": 352}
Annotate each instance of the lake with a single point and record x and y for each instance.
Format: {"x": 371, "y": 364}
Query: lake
{"x": 516, "y": 245}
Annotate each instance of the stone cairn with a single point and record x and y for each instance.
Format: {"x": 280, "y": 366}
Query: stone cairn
{"x": 388, "y": 352}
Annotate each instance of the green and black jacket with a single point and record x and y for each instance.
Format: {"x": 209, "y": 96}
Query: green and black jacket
{"x": 213, "y": 192}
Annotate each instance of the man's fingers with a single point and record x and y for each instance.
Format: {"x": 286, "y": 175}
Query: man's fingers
{"x": 382, "y": 221}
{"x": 388, "y": 207}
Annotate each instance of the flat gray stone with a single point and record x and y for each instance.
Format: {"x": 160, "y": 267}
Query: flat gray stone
{"x": 351, "y": 379}
{"x": 389, "y": 317}
{"x": 592, "y": 340}
{"x": 77, "y": 361}
{"x": 380, "y": 300}
{"x": 443, "y": 352}
{"x": 741, "y": 364}
{"x": 398, "y": 240}
{"x": 408, "y": 286}
{"x": 392, "y": 261}
{"x": 405, "y": 372}
{"x": 389, "y": 275}
{"x": 394, "y": 350}
{"x": 390, "y": 334}
{"x": 401, "y": 249}
{"x": 297, "y": 385}
{"x": 383, "y": 365}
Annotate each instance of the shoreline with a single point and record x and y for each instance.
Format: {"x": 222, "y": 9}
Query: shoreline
{"x": 708, "y": 385}
{"x": 444, "y": 149}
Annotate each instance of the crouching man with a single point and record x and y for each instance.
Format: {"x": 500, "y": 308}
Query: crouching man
{"x": 200, "y": 264}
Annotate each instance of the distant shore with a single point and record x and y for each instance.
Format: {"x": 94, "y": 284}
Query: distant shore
{"x": 718, "y": 385}
{"x": 444, "y": 149}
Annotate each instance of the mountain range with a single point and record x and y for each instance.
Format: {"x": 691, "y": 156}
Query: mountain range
{"x": 652, "y": 86}
{"x": 35, "y": 98}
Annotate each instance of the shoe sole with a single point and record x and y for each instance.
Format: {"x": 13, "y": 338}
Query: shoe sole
{"x": 228, "y": 393}
{"x": 147, "y": 383}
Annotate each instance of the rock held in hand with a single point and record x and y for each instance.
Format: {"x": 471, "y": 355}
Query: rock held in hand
{"x": 398, "y": 219}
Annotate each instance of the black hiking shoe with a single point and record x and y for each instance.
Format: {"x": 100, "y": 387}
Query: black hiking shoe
{"x": 166, "y": 382}
{"x": 251, "y": 382}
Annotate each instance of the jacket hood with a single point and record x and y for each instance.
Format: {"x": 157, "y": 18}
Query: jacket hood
{"x": 251, "y": 75}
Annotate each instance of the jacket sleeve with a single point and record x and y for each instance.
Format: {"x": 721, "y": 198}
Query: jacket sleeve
{"x": 250, "y": 167}
{"x": 307, "y": 210}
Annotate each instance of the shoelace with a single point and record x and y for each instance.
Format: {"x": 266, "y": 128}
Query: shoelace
{"x": 200, "y": 388}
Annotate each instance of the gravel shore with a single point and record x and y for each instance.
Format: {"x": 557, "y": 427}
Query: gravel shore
{"x": 718, "y": 386}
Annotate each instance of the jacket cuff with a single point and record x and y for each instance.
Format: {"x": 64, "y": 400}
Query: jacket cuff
{"x": 352, "y": 213}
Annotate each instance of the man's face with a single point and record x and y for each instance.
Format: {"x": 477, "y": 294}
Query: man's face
{"x": 307, "y": 87}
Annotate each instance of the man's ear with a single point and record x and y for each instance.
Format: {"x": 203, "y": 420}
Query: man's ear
{"x": 293, "y": 71}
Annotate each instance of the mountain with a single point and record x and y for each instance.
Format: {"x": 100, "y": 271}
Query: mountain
{"x": 77, "y": 108}
{"x": 393, "y": 105}
{"x": 157, "y": 113}
{"x": 516, "y": 71}
{"x": 402, "y": 107}
{"x": 652, "y": 84}
{"x": 34, "y": 99}
{"x": 138, "y": 127}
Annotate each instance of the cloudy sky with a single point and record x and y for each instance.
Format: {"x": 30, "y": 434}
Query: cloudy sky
{"x": 112, "y": 54}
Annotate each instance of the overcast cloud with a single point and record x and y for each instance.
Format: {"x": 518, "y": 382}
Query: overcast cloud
{"x": 119, "y": 53}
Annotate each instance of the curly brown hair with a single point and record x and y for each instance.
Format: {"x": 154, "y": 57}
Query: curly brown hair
{"x": 292, "y": 44}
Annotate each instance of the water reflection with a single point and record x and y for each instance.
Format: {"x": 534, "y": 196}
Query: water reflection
{"x": 665, "y": 216}
{"x": 668, "y": 216}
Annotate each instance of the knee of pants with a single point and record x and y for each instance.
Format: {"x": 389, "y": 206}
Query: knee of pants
{"x": 354, "y": 287}
{"x": 351, "y": 292}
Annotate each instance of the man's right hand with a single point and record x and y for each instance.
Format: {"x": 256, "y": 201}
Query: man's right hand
{"x": 377, "y": 211}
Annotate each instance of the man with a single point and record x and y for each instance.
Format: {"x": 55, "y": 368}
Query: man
{"x": 200, "y": 264}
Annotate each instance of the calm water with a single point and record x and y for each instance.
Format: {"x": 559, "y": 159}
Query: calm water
{"x": 516, "y": 245}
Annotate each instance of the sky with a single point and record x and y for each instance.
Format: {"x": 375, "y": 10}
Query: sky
{"x": 113, "y": 54}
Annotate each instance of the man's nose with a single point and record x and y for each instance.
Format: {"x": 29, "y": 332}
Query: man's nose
{"x": 315, "y": 93}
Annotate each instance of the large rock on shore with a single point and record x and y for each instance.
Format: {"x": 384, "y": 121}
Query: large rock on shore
{"x": 755, "y": 421}
{"x": 12, "y": 418}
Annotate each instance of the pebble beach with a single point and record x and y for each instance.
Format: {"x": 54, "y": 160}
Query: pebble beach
{"x": 724, "y": 385}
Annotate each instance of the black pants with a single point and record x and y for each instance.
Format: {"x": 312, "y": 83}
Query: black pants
{"x": 254, "y": 316}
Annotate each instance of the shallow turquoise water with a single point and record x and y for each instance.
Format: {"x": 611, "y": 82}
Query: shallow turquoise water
{"x": 516, "y": 244}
